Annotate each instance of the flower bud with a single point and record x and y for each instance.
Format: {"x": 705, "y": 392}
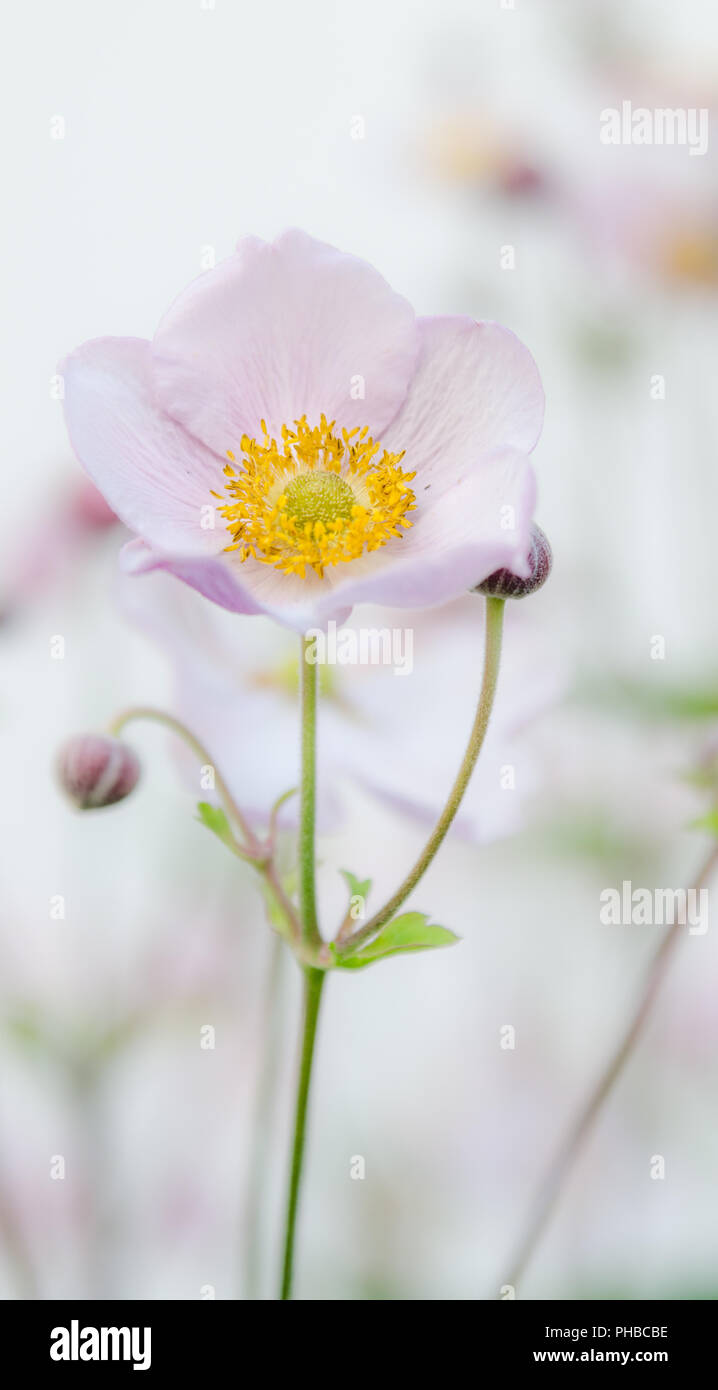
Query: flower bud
{"x": 97, "y": 770}
{"x": 505, "y": 584}
{"x": 518, "y": 179}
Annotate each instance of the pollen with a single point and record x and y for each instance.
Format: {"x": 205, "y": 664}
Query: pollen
{"x": 318, "y": 497}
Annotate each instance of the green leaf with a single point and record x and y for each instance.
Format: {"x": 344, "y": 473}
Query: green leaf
{"x": 216, "y": 821}
{"x": 661, "y": 701}
{"x": 25, "y": 1029}
{"x": 709, "y": 823}
{"x": 412, "y": 932}
{"x": 275, "y": 912}
{"x": 358, "y": 888}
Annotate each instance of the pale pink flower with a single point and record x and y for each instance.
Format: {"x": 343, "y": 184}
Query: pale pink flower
{"x": 652, "y": 228}
{"x": 54, "y": 543}
{"x": 374, "y": 456}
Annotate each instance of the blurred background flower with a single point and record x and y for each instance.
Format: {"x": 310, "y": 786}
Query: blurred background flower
{"x": 397, "y": 725}
{"x": 458, "y": 148}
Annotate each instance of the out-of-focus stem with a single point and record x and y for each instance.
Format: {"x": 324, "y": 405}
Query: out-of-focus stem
{"x": 13, "y": 1245}
{"x": 264, "y": 1102}
{"x": 573, "y": 1143}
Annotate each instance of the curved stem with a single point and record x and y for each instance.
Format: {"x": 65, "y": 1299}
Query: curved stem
{"x": 313, "y": 981}
{"x": 567, "y": 1154}
{"x": 252, "y": 852}
{"x": 274, "y": 813}
{"x": 492, "y": 657}
{"x": 308, "y": 792}
{"x": 175, "y": 726}
{"x": 271, "y": 877}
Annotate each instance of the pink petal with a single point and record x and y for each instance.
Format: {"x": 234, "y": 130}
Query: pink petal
{"x": 476, "y": 389}
{"x": 281, "y": 330}
{"x": 154, "y": 475}
{"x": 250, "y": 588}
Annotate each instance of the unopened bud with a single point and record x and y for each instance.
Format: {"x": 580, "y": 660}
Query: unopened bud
{"x": 97, "y": 770}
{"x": 505, "y": 584}
{"x": 520, "y": 180}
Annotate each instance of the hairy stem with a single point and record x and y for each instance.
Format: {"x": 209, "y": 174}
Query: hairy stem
{"x": 175, "y": 726}
{"x": 313, "y": 982}
{"x": 308, "y": 793}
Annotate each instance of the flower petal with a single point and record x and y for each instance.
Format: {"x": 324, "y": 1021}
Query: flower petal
{"x": 211, "y": 576}
{"x": 250, "y": 588}
{"x": 476, "y": 389}
{"x": 281, "y": 330}
{"x": 154, "y": 475}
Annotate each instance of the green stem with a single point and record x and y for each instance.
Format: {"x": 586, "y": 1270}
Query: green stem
{"x": 313, "y": 981}
{"x": 492, "y": 657}
{"x": 308, "y": 793}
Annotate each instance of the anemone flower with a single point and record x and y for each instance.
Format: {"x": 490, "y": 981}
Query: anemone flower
{"x": 294, "y": 440}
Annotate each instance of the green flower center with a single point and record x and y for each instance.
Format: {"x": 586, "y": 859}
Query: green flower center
{"x": 319, "y": 496}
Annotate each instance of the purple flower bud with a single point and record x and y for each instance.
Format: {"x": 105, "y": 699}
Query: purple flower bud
{"x": 521, "y": 180}
{"x": 505, "y": 584}
{"x": 96, "y": 770}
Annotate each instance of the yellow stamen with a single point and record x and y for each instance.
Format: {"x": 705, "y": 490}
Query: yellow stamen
{"x": 315, "y": 499}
